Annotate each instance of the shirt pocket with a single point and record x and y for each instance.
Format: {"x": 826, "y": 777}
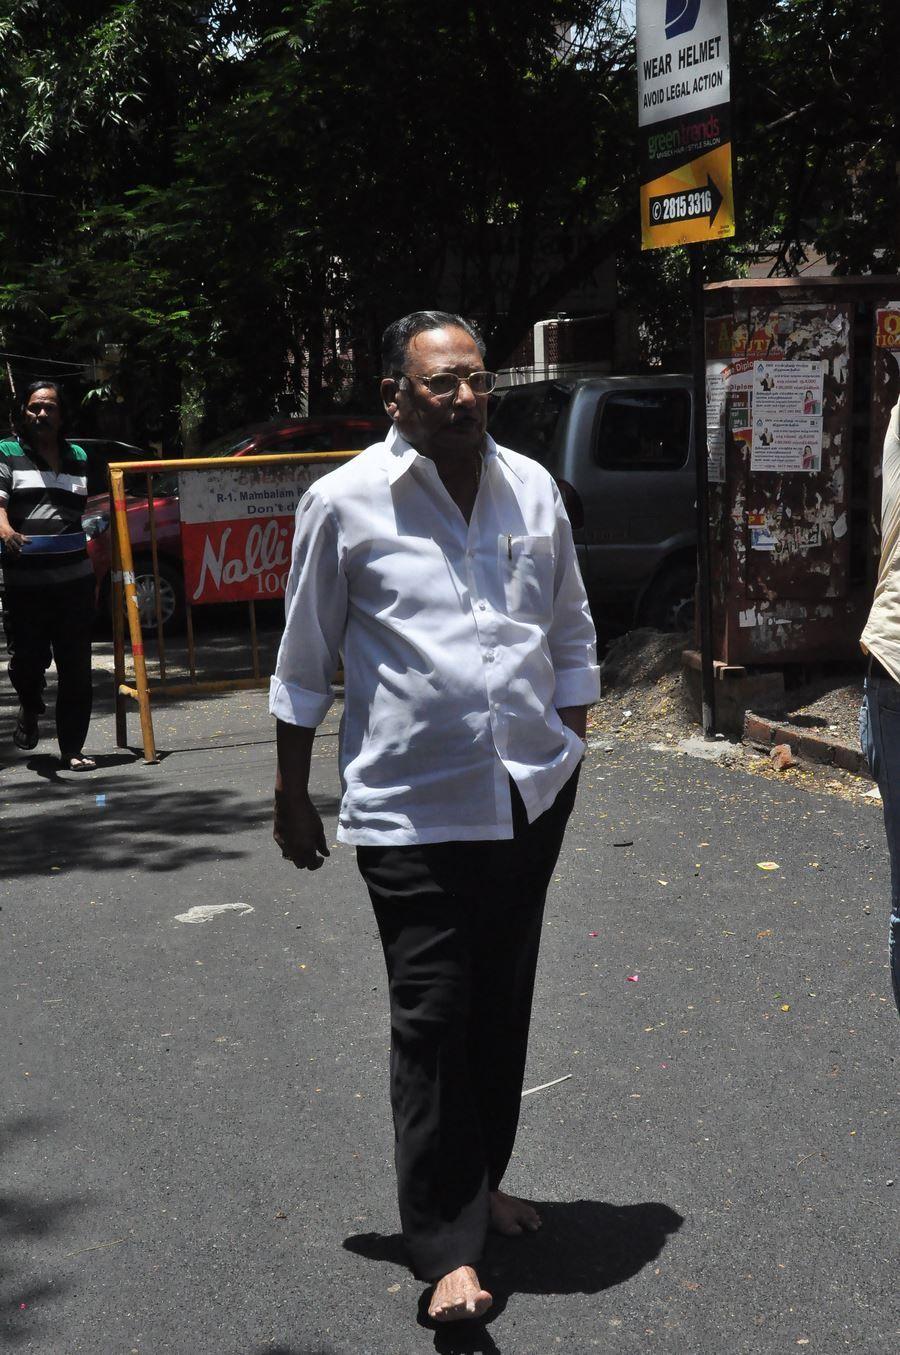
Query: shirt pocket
{"x": 526, "y": 567}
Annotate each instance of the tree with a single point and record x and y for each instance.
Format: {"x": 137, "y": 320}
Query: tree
{"x": 348, "y": 160}
{"x": 93, "y": 99}
{"x": 239, "y": 181}
{"x": 817, "y": 129}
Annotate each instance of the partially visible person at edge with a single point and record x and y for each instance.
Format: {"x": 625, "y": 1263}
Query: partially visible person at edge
{"x": 48, "y": 580}
{"x": 879, "y": 719}
{"x": 442, "y": 567}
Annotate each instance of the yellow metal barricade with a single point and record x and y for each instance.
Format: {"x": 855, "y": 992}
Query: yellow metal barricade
{"x": 125, "y": 608}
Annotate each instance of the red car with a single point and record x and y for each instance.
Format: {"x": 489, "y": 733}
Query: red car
{"x": 327, "y": 433}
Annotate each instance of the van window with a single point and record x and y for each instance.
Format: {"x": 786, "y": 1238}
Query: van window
{"x": 527, "y": 417}
{"x": 644, "y": 430}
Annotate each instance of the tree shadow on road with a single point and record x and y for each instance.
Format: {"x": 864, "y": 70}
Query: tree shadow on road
{"x": 118, "y": 823}
{"x": 584, "y": 1247}
{"x": 24, "y": 1220}
{"x": 292, "y": 1350}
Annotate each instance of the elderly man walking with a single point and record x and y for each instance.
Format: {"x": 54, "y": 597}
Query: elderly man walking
{"x": 442, "y": 568}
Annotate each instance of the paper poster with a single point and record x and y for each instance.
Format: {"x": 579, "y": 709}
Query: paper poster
{"x": 786, "y": 538}
{"x": 761, "y": 537}
{"x": 887, "y": 330}
{"x": 788, "y": 444}
{"x": 729, "y": 386}
{"x": 715, "y": 448}
{"x": 787, "y": 416}
{"x": 715, "y": 422}
{"x": 788, "y": 388}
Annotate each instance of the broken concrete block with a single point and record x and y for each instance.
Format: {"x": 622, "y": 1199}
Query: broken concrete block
{"x": 781, "y": 757}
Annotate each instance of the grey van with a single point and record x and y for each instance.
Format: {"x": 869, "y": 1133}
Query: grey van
{"x": 623, "y": 444}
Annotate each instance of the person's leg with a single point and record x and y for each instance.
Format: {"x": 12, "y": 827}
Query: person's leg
{"x": 73, "y": 619}
{"x": 506, "y": 944}
{"x": 27, "y": 624}
{"x": 441, "y": 1174}
{"x": 460, "y": 926}
{"x": 880, "y": 737}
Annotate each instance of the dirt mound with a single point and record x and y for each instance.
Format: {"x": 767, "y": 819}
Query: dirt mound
{"x": 644, "y": 695}
{"x": 643, "y": 656}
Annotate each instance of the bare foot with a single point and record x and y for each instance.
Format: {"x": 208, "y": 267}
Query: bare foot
{"x": 459, "y": 1295}
{"x": 511, "y": 1217}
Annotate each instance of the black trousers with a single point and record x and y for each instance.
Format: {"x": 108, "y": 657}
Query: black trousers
{"x": 460, "y": 925}
{"x": 53, "y": 622}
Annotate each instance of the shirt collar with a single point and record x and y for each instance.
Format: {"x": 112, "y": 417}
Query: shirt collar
{"x": 66, "y": 454}
{"x": 401, "y": 455}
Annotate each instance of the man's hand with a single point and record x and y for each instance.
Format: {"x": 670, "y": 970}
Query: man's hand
{"x": 13, "y": 541}
{"x": 298, "y": 830}
{"x": 574, "y": 718}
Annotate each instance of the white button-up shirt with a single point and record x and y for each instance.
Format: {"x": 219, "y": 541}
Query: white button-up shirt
{"x": 460, "y": 641}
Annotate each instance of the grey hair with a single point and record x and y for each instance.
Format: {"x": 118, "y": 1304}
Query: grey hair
{"x": 398, "y": 336}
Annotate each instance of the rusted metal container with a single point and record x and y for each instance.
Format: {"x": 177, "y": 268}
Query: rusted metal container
{"x": 801, "y": 378}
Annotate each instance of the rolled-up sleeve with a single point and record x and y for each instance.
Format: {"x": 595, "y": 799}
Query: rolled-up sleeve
{"x": 315, "y": 617}
{"x": 572, "y": 637}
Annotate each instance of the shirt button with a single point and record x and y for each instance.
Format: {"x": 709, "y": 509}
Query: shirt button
{"x": 482, "y": 606}
{"x": 489, "y": 656}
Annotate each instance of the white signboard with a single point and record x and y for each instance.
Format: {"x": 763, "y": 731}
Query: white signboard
{"x": 237, "y": 526}
{"x": 684, "y": 111}
{"x": 683, "y": 62}
{"x": 242, "y": 490}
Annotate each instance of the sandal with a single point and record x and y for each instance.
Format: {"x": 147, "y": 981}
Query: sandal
{"x": 79, "y": 763}
{"x": 26, "y": 732}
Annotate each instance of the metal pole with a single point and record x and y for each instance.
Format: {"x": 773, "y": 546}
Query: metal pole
{"x": 254, "y": 639}
{"x": 134, "y": 621}
{"x": 154, "y": 552}
{"x": 704, "y": 584}
{"x": 117, "y": 604}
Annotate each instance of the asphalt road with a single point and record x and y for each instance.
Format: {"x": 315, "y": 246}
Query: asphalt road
{"x": 196, "y": 1146}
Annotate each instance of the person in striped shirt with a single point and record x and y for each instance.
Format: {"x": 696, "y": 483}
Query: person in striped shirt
{"x": 48, "y": 579}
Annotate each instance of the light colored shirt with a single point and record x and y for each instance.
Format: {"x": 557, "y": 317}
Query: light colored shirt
{"x": 881, "y": 635}
{"x": 459, "y": 642}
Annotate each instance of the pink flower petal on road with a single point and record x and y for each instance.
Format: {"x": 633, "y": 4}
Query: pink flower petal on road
{"x": 632, "y": 978}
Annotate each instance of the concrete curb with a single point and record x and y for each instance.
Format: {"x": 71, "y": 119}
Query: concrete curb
{"x": 766, "y": 734}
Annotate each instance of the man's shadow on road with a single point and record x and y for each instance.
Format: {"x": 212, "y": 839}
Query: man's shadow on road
{"x": 49, "y": 766}
{"x": 584, "y": 1247}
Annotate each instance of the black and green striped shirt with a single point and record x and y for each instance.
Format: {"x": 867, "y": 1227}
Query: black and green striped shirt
{"x": 47, "y": 506}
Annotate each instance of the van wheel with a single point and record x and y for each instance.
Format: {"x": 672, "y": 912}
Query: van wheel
{"x": 669, "y": 604}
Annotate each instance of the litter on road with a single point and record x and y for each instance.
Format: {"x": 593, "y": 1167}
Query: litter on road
{"x": 544, "y": 1085}
{"x": 205, "y": 912}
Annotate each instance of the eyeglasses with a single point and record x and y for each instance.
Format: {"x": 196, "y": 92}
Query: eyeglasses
{"x": 442, "y": 384}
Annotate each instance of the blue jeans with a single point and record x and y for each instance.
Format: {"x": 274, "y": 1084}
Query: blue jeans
{"x": 879, "y": 735}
